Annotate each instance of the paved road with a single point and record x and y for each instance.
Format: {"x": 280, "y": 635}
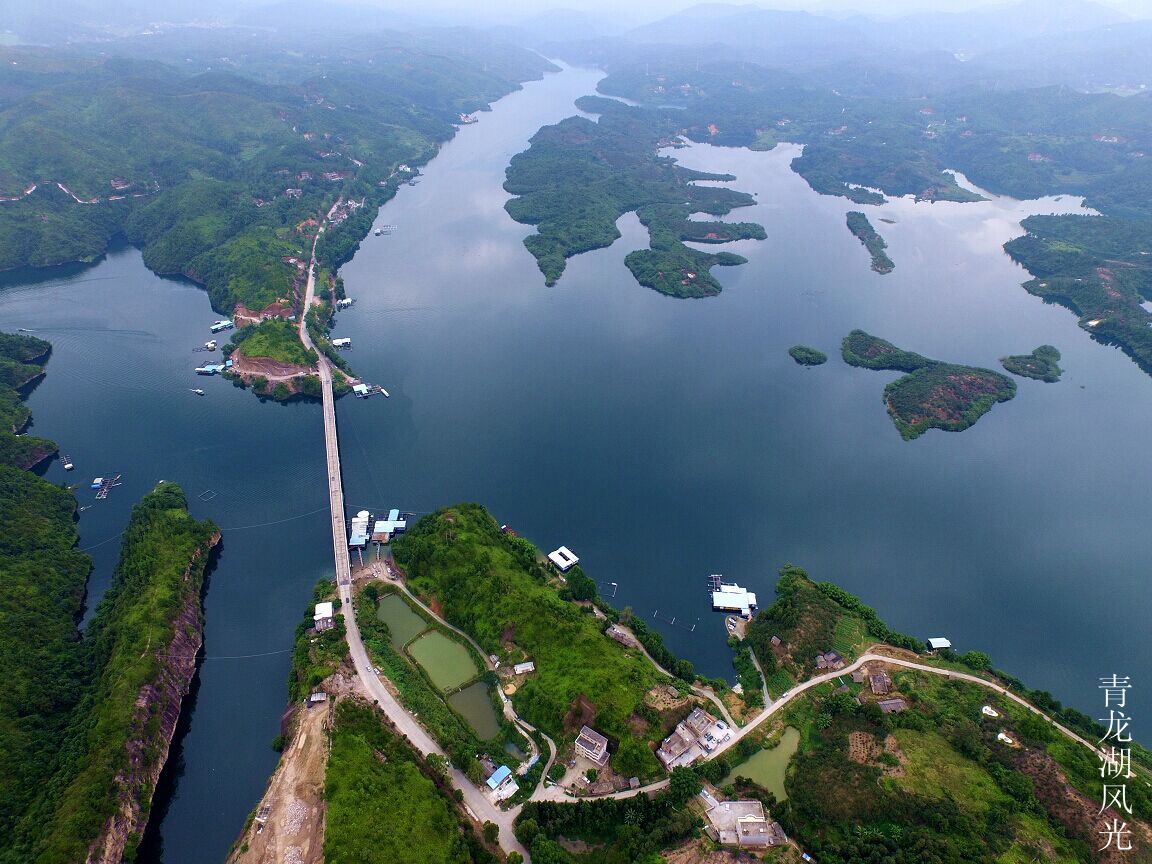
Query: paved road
{"x": 477, "y": 801}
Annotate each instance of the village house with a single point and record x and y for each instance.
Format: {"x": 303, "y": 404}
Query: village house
{"x": 744, "y": 823}
{"x": 880, "y": 684}
{"x": 892, "y": 706}
{"x": 622, "y": 636}
{"x": 592, "y": 745}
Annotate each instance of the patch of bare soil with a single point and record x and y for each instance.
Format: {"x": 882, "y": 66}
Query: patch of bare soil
{"x": 293, "y": 806}
{"x": 664, "y": 697}
{"x": 1078, "y": 813}
{"x": 249, "y": 367}
{"x": 242, "y": 315}
{"x": 700, "y": 851}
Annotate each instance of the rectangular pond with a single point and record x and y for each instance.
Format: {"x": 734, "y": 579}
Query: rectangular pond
{"x": 475, "y": 705}
{"x": 446, "y": 661}
{"x": 404, "y": 624}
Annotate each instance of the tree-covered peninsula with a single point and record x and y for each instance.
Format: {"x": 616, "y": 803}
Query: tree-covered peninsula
{"x": 1042, "y": 364}
{"x": 933, "y": 395}
{"x": 579, "y": 176}
{"x": 863, "y": 231}
{"x": 21, "y": 366}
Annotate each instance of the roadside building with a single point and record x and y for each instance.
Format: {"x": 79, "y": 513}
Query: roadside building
{"x": 323, "y": 617}
{"x": 592, "y": 745}
{"x": 892, "y": 706}
{"x": 524, "y": 668}
{"x": 622, "y": 636}
{"x": 938, "y": 642}
{"x": 501, "y": 785}
{"x": 563, "y": 559}
{"x": 699, "y": 721}
{"x": 860, "y": 675}
{"x": 678, "y": 749}
{"x": 880, "y": 684}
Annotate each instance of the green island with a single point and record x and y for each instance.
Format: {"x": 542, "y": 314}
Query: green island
{"x": 224, "y": 173}
{"x": 1042, "y": 364}
{"x": 579, "y": 176}
{"x": 807, "y": 356}
{"x": 933, "y": 395}
{"x": 86, "y": 720}
{"x": 905, "y": 141}
{"x": 863, "y": 231}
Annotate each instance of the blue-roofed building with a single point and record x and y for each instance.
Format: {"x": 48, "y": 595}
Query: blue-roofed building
{"x": 393, "y": 515}
{"x": 499, "y": 776}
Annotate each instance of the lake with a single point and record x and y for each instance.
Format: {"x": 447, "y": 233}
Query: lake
{"x": 661, "y": 440}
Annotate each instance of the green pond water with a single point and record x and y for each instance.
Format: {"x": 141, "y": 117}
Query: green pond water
{"x": 404, "y": 625}
{"x": 474, "y": 703}
{"x": 768, "y": 766}
{"x": 446, "y": 661}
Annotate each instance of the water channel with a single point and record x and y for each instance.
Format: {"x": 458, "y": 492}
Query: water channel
{"x": 661, "y": 440}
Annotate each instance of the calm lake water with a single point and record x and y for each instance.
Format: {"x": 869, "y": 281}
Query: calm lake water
{"x": 660, "y": 439}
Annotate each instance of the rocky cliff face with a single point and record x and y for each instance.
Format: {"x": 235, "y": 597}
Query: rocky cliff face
{"x": 156, "y": 714}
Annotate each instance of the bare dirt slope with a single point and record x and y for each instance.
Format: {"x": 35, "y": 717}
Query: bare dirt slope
{"x": 293, "y": 803}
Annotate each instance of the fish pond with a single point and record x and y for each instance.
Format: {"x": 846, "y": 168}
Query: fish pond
{"x": 404, "y": 624}
{"x": 475, "y": 705}
{"x": 767, "y": 767}
{"x": 446, "y": 661}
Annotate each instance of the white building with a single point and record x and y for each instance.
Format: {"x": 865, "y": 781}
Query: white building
{"x": 732, "y": 598}
{"x": 563, "y": 558}
{"x": 938, "y": 642}
{"x": 323, "y": 618}
{"x": 524, "y": 668}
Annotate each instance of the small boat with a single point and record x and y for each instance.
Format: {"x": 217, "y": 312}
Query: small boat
{"x": 731, "y": 622}
{"x": 197, "y": 391}
{"x": 67, "y": 460}
{"x": 379, "y": 231}
{"x": 210, "y": 345}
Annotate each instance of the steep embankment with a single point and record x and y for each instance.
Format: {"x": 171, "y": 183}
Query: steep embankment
{"x": 122, "y": 689}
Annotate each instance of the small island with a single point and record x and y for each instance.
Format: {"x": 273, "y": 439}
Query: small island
{"x": 1041, "y": 364}
{"x": 807, "y": 356}
{"x": 933, "y": 395}
{"x": 862, "y": 229}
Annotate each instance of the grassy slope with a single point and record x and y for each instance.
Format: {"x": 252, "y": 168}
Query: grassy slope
{"x": 381, "y": 804}
{"x": 458, "y": 557}
{"x": 277, "y": 340}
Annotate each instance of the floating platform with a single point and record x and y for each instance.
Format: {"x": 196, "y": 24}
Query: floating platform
{"x": 104, "y": 485}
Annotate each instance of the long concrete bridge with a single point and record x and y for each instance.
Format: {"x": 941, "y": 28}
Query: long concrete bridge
{"x": 476, "y": 801}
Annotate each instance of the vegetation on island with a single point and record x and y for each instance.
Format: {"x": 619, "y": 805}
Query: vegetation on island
{"x": 863, "y": 231}
{"x": 867, "y": 141}
{"x": 96, "y": 712}
{"x": 21, "y": 364}
{"x": 387, "y": 803}
{"x": 933, "y": 395}
{"x": 1042, "y": 364}
{"x": 1100, "y": 269}
{"x": 494, "y": 587}
{"x": 579, "y": 176}
{"x": 275, "y": 339}
{"x": 807, "y": 356}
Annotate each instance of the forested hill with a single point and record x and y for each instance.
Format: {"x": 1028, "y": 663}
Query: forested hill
{"x": 214, "y": 164}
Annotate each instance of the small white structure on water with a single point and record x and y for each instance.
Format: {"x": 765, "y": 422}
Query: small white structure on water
{"x": 563, "y": 558}
{"x": 732, "y": 598}
{"x": 342, "y": 342}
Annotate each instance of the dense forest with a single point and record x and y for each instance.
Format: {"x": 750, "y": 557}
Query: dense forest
{"x": 219, "y": 172}
{"x": 863, "y": 231}
{"x": 1043, "y": 364}
{"x": 86, "y": 721}
{"x": 21, "y": 366}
